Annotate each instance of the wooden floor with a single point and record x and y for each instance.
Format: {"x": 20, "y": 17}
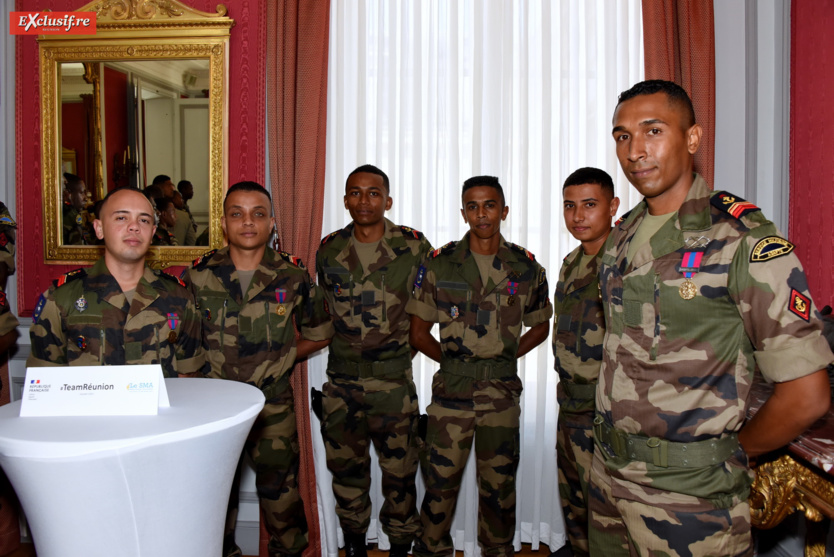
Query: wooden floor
{"x": 28, "y": 550}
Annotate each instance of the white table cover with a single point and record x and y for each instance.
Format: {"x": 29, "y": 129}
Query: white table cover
{"x": 132, "y": 486}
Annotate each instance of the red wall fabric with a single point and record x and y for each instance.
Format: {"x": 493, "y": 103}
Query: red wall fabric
{"x": 246, "y": 124}
{"x": 73, "y": 124}
{"x": 115, "y": 120}
{"x": 811, "y": 225}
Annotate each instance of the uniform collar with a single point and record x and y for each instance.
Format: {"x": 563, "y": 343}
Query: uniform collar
{"x": 391, "y": 239}
{"x": 265, "y": 273}
{"x": 102, "y": 281}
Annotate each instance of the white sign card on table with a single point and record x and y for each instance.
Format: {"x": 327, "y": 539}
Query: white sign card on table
{"x": 94, "y": 391}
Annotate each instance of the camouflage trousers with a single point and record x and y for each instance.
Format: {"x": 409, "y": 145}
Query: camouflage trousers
{"x": 574, "y": 454}
{"x": 624, "y": 527}
{"x": 382, "y": 411}
{"x": 273, "y": 447}
{"x": 463, "y": 410}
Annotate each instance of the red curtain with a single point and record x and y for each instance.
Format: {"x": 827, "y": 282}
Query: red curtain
{"x": 679, "y": 46}
{"x": 297, "y": 46}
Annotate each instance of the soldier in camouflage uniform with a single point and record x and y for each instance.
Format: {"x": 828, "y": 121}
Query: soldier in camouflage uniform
{"x": 8, "y": 336}
{"x": 367, "y": 270}
{"x": 578, "y": 327}
{"x": 699, "y": 292}
{"x": 119, "y": 311}
{"x": 481, "y": 290}
{"x": 251, "y": 298}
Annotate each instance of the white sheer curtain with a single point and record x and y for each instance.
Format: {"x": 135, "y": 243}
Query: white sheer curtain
{"x": 434, "y": 92}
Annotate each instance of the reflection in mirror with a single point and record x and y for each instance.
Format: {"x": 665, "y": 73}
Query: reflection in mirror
{"x": 128, "y": 122}
{"x": 144, "y": 97}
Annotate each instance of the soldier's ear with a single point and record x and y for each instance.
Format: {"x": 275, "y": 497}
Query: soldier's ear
{"x": 99, "y": 229}
{"x": 615, "y": 204}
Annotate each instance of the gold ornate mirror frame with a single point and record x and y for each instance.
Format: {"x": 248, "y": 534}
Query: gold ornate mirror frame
{"x": 136, "y": 30}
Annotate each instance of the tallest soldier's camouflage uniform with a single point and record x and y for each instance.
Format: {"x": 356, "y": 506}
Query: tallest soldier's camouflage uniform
{"x": 476, "y": 392}
{"x": 370, "y": 394}
{"x": 669, "y": 477}
{"x": 578, "y": 329}
{"x": 250, "y": 337}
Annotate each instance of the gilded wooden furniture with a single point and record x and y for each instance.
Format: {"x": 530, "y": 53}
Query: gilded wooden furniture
{"x": 796, "y": 480}
{"x": 131, "y": 31}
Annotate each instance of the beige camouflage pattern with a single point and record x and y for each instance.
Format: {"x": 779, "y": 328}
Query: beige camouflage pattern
{"x": 84, "y": 320}
{"x": 251, "y": 337}
{"x": 377, "y": 405}
{"x": 475, "y": 395}
{"x": 680, "y": 369}
{"x": 578, "y": 330}
{"x": 8, "y": 235}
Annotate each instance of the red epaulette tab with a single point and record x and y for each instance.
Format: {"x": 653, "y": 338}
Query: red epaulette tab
{"x": 203, "y": 257}
{"x": 329, "y": 237}
{"x": 408, "y": 231}
{"x": 72, "y": 275}
{"x": 732, "y": 204}
{"x": 290, "y": 258}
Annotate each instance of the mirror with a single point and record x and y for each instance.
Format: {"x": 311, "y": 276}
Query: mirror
{"x": 145, "y": 96}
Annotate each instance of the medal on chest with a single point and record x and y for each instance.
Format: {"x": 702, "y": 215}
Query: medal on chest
{"x": 173, "y": 321}
{"x": 281, "y": 297}
{"x": 512, "y": 288}
{"x": 689, "y": 267}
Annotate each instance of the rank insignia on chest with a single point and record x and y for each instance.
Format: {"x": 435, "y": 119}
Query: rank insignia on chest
{"x": 81, "y": 303}
{"x": 81, "y": 343}
{"x": 454, "y": 312}
{"x": 173, "y": 321}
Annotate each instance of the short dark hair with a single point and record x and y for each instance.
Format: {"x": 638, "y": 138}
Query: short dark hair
{"x": 154, "y": 191}
{"x": 163, "y": 203}
{"x": 160, "y": 179}
{"x": 182, "y": 183}
{"x": 371, "y": 169}
{"x": 488, "y": 181}
{"x": 677, "y": 95}
{"x": 590, "y": 175}
{"x": 72, "y": 180}
{"x": 246, "y": 186}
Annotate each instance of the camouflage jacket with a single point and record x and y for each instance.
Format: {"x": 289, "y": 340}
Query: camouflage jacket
{"x": 681, "y": 369}
{"x": 76, "y": 231}
{"x": 368, "y": 305}
{"x": 480, "y": 322}
{"x": 578, "y": 328}
{"x": 8, "y": 232}
{"x": 84, "y": 319}
{"x": 251, "y": 337}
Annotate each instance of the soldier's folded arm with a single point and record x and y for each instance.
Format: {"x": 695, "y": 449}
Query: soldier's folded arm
{"x": 790, "y": 410}
{"x": 191, "y": 358}
{"x": 420, "y": 338}
{"x": 532, "y": 338}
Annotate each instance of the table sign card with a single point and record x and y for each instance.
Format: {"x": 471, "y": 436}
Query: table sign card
{"x": 94, "y": 391}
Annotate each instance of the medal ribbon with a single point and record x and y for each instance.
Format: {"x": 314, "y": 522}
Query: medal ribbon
{"x": 172, "y": 320}
{"x": 691, "y": 263}
{"x": 512, "y": 287}
{"x": 280, "y": 296}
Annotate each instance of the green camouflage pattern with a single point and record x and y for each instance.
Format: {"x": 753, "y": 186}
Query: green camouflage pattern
{"x": 8, "y": 322}
{"x": 477, "y": 323}
{"x": 75, "y": 230}
{"x": 251, "y": 337}
{"x": 371, "y": 325}
{"x": 382, "y": 411}
{"x": 578, "y": 330}
{"x": 368, "y": 305}
{"x": 680, "y": 370}
{"x": 8, "y": 235}
{"x": 84, "y": 320}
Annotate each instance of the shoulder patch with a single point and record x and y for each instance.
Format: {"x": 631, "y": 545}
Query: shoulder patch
{"x": 542, "y": 276}
{"x": 329, "y": 237}
{"x": 770, "y": 247}
{"x": 69, "y": 277}
{"x": 520, "y": 249}
{"x": 205, "y": 257}
{"x": 407, "y": 231}
{"x": 800, "y": 305}
{"x": 38, "y": 309}
{"x": 290, "y": 258}
{"x": 444, "y": 249}
{"x": 169, "y": 276}
{"x": 418, "y": 280}
{"x": 620, "y": 220}
{"x": 732, "y": 204}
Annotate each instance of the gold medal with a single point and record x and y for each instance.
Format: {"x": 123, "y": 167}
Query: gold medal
{"x": 172, "y": 337}
{"x": 281, "y": 309}
{"x": 511, "y": 300}
{"x": 688, "y": 290}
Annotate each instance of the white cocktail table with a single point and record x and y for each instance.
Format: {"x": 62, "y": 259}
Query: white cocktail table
{"x": 132, "y": 486}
